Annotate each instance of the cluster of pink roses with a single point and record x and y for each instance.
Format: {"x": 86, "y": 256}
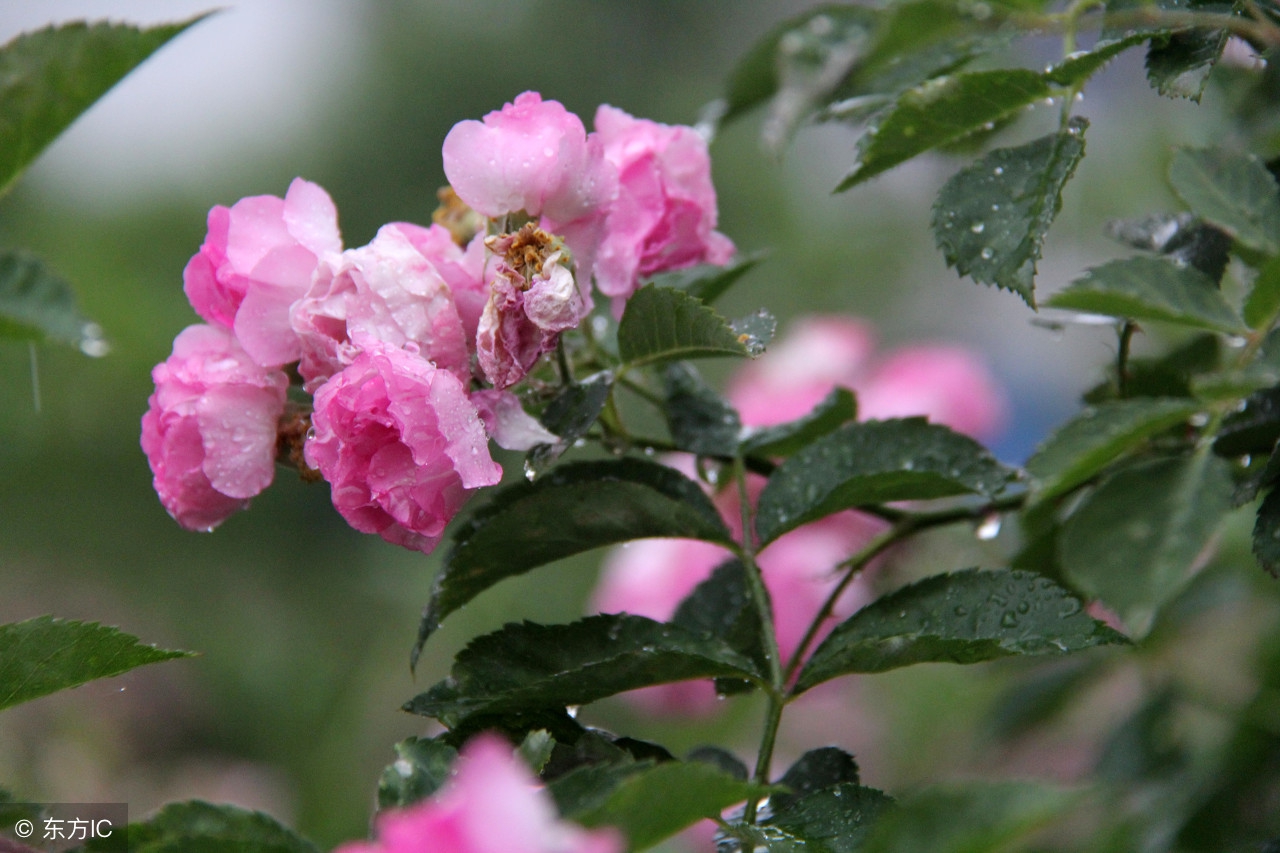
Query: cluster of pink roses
{"x": 406, "y": 346}
{"x": 946, "y": 383}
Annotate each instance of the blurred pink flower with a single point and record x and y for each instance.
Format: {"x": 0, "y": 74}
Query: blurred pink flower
{"x": 210, "y": 431}
{"x": 491, "y": 805}
{"x": 400, "y": 443}
{"x": 532, "y": 155}
{"x": 390, "y": 291}
{"x": 533, "y": 298}
{"x": 664, "y": 216}
{"x": 257, "y": 259}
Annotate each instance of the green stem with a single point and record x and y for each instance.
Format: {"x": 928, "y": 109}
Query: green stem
{"x": 1122, "y": 358}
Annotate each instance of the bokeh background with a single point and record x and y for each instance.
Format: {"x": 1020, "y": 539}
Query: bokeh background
{"x": 304, "y": 626}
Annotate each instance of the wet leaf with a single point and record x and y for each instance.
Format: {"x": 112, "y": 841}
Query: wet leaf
{"x": 755, "y": 331}
{"x": 991, "y": 218}
{"x": 941, "y": 111}
{"x": 1082, "y": 65}
{"x": 817, "y": 769}
{"x": 574, "y": 508}
{"x": 198, "y": 827}
{"x": 422, "y": 765}
{"x": 834, "y": 411}
{"x": 44, "y": 655}
{"x": 37, "y": 305}
{"x": 1233, "y": 191}
{"x": 1087, "y": 444}
{"x": 699, "y": 420}
{"x": 874, "y": 462}
{"x": 721, "y": 606}
{"x": 1150, "y": 289}
{"x": 1263, "y": 303}
{"x": 836, "y": 819}
{"x": 1178, "y": 65}
{"x": 964, "y": 617}
{"x": 1132, "y": 542}
{"x": 1255, "y": 428}
{"x": 569, "y": 415}
{"x": 49, "y": 77}
{"x": 1266, "y": 534}
{"x": 528, "y": 665}
{"x": 662, "y": 324}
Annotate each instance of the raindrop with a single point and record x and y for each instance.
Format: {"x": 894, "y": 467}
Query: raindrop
{"x": 572, "y": 711}
{"x": 978, "y": 227}
{"x": 902, "y": 614}
{"x": 987, "y": 254}
{"x": 92, "y": 343}
{"x": 1199, "y": 419}
{"x": 403, "y": 767}
{"x": 1048, "y": 102}
{"x": 998, "y": 171}
{"x": 649, "y": 451}
{"x": 995, "y": 207}
{"x": 530, "y": 473}
{"x": 579, "y": 442}
{"x": 1024, "y": 607}
{"x": 1079, "y": 97}
{"x": 311, "y": 434}
{"x": 1009, "y": 619}
{"x": 821, "y": 25}
{"x": 548, "y": 152}
{"x": 989, "y": 528}
{"x": 991, "y": 125}
{"x": 1236, "y": 342}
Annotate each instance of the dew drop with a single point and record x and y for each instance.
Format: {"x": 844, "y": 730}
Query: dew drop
{"x": 978, "y": 227}
{"x": 579, "y": 442}
{"x": 1009, "y": 619}
{"x": 403, "y": 767}
{"x": 987, "y": 254}
{"x": 530, "y": 473}
{"x": 989, "y": 528}
{"x": 998, "y": 171}
{"x": 649, "y": 451}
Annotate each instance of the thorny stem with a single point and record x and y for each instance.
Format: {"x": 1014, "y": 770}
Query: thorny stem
{"x": 904, "y": 524}
{"x": 760, "y": 595}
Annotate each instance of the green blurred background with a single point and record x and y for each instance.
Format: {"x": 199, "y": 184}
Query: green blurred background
{"x": 303, "y": 625}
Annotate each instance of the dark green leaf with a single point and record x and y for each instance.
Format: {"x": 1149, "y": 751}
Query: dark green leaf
{"x": 588, "y": 786}
{"x": 721, "y": 759}
{"x": 569, "y": 415}
{"x": 941, "y": 111}
{"x": 1150, "y": 289}
{"x": 708, "y": 282}
{"x": 1080, "y": 66}
{"x": 527, "y": 665}
{"x": 197, "y": 827}
{"x": 660, "y": 801}
{"x": 422, "y": 765}
{"x": 837, "y": 819}
{"x": 1266, "y": 534}
{"x": 976, "y": 817}
{"x": 1253, "y": 429}
{"x": 834, "y": 411}
{"x": 964, "y": 617}
{"x": 1133, "y": 541}
{"x": 722, "y": 607}
{"x": 36, "y": 305}
{"x": 817, "y": 769}
{"x": 1100, "y": 434}
{"x": 874, "y": 462}
{"x": 1263, "y": 304}
{"x": 574, "y": 508}
{"x": 50, "y": 76}
{"x": 44, "y": 655}
{"x": 1182, "y": 237}
{"x": 699, "y": 419}
{"x": 1171, "y": 375}
{"x": 991, "y": 218}
{"x": 662, "y": 324}
{"x": 1179, "y": 65}
{"x": 1233, "y": 191}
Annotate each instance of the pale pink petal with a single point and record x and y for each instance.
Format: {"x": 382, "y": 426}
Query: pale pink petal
{"x": 508, "y": 423}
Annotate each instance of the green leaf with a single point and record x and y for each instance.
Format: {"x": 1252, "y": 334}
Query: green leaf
{"x": 941, "y": 111}
{"x": 569, "y": 415}
{"x": 44, "y": 655}
{"x": 1080, "y": 66}
{"x": 964, "y": 617}
{"x": 1084, "y": 446}
{"x": 536, "y": 749}
{"x": 1181, "y": 237}
{"x": 1255, "y": 428}
{"x": 662, "y": 324}
{"x": 1150, "y": 289}
{"x": 527, "y": 665}
{"x": 721, "y": 606}
{"x": 574, "y": 508}
{"x": 1233, "y": 191}
{"x": 1263, "y": 303}
{"x": 198, "y": 827}
{"x": 816, "y": 770}
{"x": 834, "y": 411}
{"x": 708, "y": 282}
{"x": 422, "y": 765}
{"x": 588, "y": 786}
{"x": 1178, "y": 66}
{"x": 50, "y": 76}
{"x": 873, "y": 462}
{"x": 659, "y": 801}
{"x": 1266, "y": 534}
{"x": 991, "y": 218}
{"x": 37, "y": 305}
{"x": 699, "y": 420}
{"x": 1132, "y": 542}
{"x": 833, "y": 820}
{"x": 976, "y": 817}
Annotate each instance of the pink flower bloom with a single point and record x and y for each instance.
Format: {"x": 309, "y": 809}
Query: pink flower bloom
{"x": 210, "y": 431}
{"x": 532, "y": 155}
{"x": 949, "y": 384}
{"x": 664, "y": 216}
{"x": 400, "y": 443}
{"x": 257, "y": 259}
{"x": 507, "y": 423}
{"x": 533, "y": 298}
{"x": 389, "y": 291}
{"x": 491, "y": 805}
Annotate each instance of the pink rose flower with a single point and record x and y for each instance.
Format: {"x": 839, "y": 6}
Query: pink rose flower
{"x": 948, "y": 384}
{"x": 400, "y": 443}
{"x": 210, "y": 431}
{"x": 664, "y": 216}
{"x": 507, "y": 423}
{"x": 461, "y": 269}
{"x": 389, "y": 291}
{"x": 532, "y": 155}
{"x": 492, "y": 804}
{"x": 533, "y": 298}
{"x": 257, "y": 259}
